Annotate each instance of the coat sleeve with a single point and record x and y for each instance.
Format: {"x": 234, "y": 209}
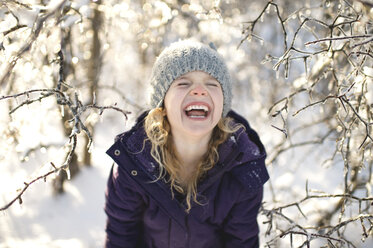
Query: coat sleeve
{"x": 241, "y": 228}
{"x": 124, "y": 209}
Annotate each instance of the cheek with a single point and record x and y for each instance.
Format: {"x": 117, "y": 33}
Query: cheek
{"x": 172, "y": 105}
{"x": 219, "y": 101}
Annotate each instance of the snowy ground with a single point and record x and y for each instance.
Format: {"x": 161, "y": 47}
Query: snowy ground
{"x": 74, "y": 219}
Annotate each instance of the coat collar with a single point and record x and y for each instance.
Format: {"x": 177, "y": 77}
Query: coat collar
{"x": 245, "y": 142}
{"x": 241, "y": 147}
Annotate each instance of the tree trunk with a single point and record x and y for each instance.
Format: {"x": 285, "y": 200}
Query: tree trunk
{"x": 93, "y": 74}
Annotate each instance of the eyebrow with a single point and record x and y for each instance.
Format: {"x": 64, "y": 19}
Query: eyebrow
{"x": 182, "y": 77}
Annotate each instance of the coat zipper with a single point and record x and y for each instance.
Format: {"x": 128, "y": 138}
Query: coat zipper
{"x": 188, "y": 232}
{"x": 169, "y": 232}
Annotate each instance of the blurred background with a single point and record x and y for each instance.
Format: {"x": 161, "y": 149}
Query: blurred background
{"x": 73, "y": 74}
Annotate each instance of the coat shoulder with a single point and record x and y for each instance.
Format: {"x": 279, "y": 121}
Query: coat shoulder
{"x": 251, "y": 175}
{"x": 250, "y": 171}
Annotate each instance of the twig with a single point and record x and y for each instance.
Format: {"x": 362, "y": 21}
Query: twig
{"x": 338, "y": 38}
{"x": 26, "y": 185}
{"x": 14, "y": 29}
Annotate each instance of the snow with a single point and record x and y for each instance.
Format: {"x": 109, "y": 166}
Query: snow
{"x": 73, "y": 219}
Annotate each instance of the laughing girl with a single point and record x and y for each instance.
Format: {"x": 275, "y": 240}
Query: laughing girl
{"x": 190, "y": 173}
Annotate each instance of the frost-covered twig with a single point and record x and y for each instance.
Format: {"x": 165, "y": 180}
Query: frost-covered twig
{"x": 5, "y": 33}
{"x": 64, "y": 166}
{"x": 324, "y": 232}
{"x": 309, "y": 196}
{"x": 342, "y": 38}
{"x": 27, "y": 46}
{"x": 116, "y": 90}
{"x": 28, "y": 92}
{"x": 26, "y": 185}
{"x": 311, "y": 236}
{"x": 250, "y": 29}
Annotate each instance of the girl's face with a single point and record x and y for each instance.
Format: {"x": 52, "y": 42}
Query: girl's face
{"x": 194, "y": 104}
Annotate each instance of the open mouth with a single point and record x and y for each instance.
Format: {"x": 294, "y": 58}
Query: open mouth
{"x": 197, "y": 111}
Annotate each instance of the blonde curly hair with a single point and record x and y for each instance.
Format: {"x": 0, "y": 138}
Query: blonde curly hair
{"x": 158, "y": 130}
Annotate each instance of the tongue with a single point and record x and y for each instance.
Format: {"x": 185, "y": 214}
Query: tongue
{"x": 196, "y": 113}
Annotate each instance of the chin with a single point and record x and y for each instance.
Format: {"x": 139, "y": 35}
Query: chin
{"x": 199, "y": 130}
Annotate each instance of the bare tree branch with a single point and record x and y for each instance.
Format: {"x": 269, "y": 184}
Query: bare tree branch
{"x": 27, "y": 46}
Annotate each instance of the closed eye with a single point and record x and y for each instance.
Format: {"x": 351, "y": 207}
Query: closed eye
{"x": 213, "y": 84}
{"x": 183, "y": 84}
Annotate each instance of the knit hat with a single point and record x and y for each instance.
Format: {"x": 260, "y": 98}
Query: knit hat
{"x": 185, "y": 56}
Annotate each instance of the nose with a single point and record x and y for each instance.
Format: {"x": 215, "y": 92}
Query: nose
{"x": 199, "y": 90}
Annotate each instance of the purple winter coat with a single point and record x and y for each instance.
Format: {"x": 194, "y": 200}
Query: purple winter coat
{"x": 143, "y": 214}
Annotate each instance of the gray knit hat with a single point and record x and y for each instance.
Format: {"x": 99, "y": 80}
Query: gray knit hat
{"x": 185, "y": 56}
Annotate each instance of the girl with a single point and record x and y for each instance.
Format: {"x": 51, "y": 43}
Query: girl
{"x": 190, "y": 173}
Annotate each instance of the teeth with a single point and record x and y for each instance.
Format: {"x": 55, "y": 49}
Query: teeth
{"x": 197, "y": 107}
